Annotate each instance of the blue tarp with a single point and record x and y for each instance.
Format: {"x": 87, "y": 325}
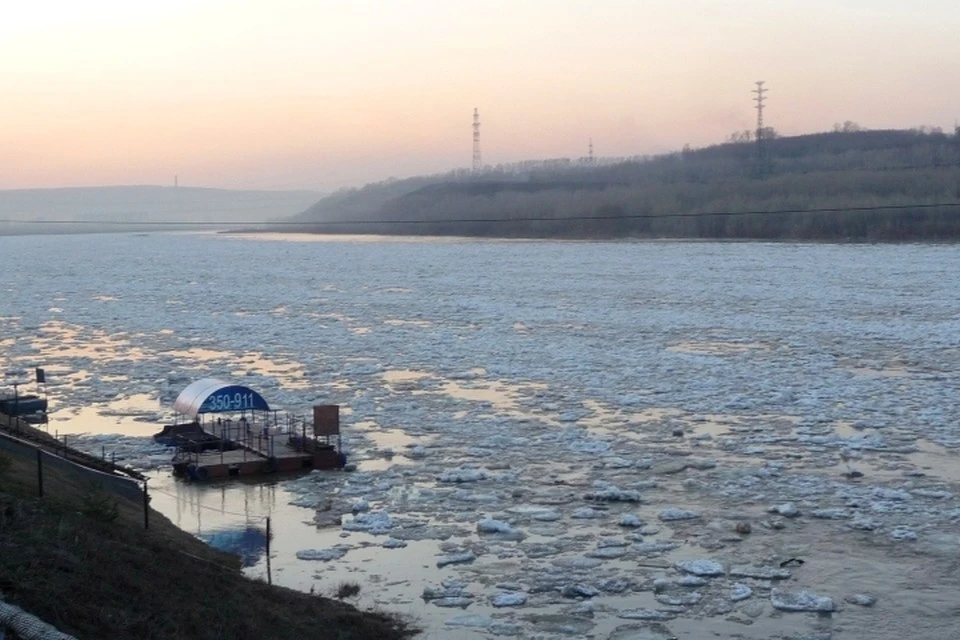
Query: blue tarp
{"x": 247, "y": 541}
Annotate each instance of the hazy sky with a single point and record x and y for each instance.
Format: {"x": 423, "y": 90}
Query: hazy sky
{"x": 324, "y": 93}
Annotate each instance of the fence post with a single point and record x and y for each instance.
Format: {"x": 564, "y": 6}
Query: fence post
{"x": 269, "y": 576}
{"x": 146, "y": 506}
{"x": 40, "y": 471}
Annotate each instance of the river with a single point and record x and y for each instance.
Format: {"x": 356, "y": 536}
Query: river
{"x": 544, "y": 411}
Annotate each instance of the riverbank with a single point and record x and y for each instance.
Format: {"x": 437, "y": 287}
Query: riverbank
{"x": 81, "y": 560}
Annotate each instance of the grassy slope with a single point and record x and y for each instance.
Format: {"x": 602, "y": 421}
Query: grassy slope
{"x": 95, "y": 578}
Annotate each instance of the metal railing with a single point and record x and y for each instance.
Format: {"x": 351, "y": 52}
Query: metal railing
{"x": 23, "y": 430}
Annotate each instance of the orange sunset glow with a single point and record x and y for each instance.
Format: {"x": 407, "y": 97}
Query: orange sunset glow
{"x": 289, "y": 94}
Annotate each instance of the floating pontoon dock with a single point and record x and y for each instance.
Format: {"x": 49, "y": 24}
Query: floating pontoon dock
{"x": 246, "y": 437}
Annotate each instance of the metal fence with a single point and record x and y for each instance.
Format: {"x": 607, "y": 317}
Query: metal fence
{"x": 47, "y": 456}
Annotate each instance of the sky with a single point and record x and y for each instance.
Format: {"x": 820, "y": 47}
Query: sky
{"x": 321, "y": 94}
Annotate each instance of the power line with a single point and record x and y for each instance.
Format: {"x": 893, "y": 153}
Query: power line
{"x": 416, "y": 221}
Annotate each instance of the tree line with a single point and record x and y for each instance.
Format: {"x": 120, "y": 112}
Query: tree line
{"x": 845, "y": 170}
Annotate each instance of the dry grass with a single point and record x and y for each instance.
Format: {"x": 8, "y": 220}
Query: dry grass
{"x": 82, "y": 561}
{"x": 347, "y": 590}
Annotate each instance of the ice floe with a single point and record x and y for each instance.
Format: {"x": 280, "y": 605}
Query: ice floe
{"x": 834, "y": 404}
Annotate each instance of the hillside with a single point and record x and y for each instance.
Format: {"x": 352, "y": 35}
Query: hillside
{"x": 80, "y": 559}
{"x": 107, "y": 208}
{"x": 842, "y": 185}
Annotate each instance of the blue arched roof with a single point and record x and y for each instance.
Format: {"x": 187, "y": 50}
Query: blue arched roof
{"x": 211, "y": 395}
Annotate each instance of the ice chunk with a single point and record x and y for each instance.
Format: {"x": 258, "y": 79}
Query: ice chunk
{"x": 611, "y": 542}
{"x": 707, "y": 568}
{"x": 542, "y": 514}
{"x": 508, "y": 599}
{"x": 672, "y": 513}
{"x": 646, "y": 614}
{"x": 506, "y": 629}
{"x": 760, "y": 573}
{"x": 493, "y": 526}
{"x": 373, "y": 522}
{"x": 617, "y": 463}
{"x": 614, "y": 585}
{"x": 547, "y": 515}
{"x": 607, "y": 553}
{"x": 452, "y": 602}
{"x": 579, "y": 591}
{"x": 861, "y": 599}
{"x": 447, "y": 589}
{"x": 323, "y": 555}
{"x": 740, "y": 591}
{"x": 933, "y": 493}
{"x": 701, "y": 464}
{"x": 787, "y": 510}
{"x": 661, "y": 585}
{"x": 577, "y": 562}
{"x": 800, "y": 601}
{"x": 679, "y": 600}
{"x": 613, "y": 494}
{"x": 462, "y": 475}
{"x": 831, "y": 514}
{"x": 891, "y": 494}
{"x": 456, "y": 558}
{"x": 656, "y": 631}
{"x": 648, "y": 548}
{"x": 470, "y": 622}
{"x": 393, "y": 543}
{"x": 360, "y": 506}
{"x": 902, "y": 533}
{"x": 416, "y": 452}
{"x": 630, "y": 520}
{"x": 865, "y": 524}
{"x": 464, "y": 495}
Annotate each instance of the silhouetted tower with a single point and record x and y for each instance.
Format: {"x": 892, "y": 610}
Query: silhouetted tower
{"x": 590, "y": 152}
{"x": 759, "y": 99}
{"x": 477, "y": 163}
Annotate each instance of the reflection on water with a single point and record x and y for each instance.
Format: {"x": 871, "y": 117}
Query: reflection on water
{"x": 64, "y": 340}
{"x": 319, "y": 237}
{"x": 197, "y": 354}
{"x": 423, "y": 324}
{"x": 394, "y": 376}
{"x": 936, "y": 460}
{"x": 717, "y": 348}
{"x": 248, "y": 542}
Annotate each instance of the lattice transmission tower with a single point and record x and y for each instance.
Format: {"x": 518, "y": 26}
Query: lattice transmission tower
{"x": 477, "y": 162}
{"x": 760, "y": 98}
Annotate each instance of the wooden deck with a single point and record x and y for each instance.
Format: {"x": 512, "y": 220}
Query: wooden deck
{"x": 252, "y": 454}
